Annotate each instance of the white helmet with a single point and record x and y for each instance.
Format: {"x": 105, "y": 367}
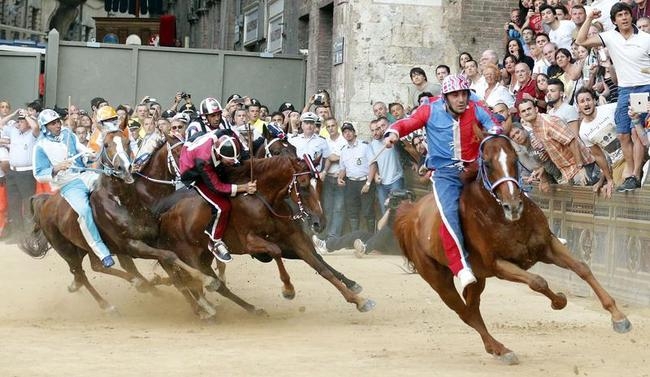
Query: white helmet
{"x": 209, "y": 106}
{"x": 46, "y": 116}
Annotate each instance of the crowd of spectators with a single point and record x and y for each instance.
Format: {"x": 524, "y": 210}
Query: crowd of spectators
{"x": 560, "y": 88}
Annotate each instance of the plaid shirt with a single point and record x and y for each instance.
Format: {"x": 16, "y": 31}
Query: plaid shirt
{"x": 556, "y": 136}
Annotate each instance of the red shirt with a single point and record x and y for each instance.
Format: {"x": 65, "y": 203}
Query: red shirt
{"x": 529, "y": 88}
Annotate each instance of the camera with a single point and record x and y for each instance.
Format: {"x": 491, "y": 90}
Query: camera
{"x": 185, "y": 95}
{"x": 319, "y": 99}
{"x": 510, "y": 27}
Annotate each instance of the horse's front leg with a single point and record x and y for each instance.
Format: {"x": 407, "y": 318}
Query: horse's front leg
{"x": 304, "y": 248}
{"x": 560, "y": 256}
{"x": 255, "y": 244}
{"x": 510, "y": 271}
{"x": 140, "y": 282}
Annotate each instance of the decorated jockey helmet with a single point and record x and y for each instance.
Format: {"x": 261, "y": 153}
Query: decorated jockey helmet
{"x": 209, "y": 106}
{"x": 454, "y": 83}
{"x": 275, "y": 131}
{"x": 107, "y": 117}
{"x": 47, "y": 116}
{"x": 226, "y": 147}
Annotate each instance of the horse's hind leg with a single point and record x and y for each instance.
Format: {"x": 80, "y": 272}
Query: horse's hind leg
{"x": 511, "y": 272}
{"x": 74, "y": 257}
{"x": 441, "y": 280}
{"x": 560, "y": 256}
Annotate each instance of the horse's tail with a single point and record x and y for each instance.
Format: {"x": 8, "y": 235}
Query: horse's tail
{"x": 403, "y": 229}
{"x": 35, "y": 244}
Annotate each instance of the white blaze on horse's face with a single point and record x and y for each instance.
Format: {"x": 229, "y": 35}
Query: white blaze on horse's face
{"x": 503, "y": 162}
{"x": 314, "y": 184}
{"x": 121, "y": 153}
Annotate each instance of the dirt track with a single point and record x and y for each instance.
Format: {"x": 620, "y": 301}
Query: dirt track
{"x": 47, "y": 331}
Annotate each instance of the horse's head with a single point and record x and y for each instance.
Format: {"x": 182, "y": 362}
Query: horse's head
{"x": 115, "y": 155}
{"x": 275, "y": 143}
{"x": 499, "y": 174}
{"x": 307, "y": 195}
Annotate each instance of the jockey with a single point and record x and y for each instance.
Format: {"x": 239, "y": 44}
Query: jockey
{"x": 210, "y": 119}
{"x": 451, "y": 122}
{"x": 58, "y": 160}
{"x": 199, "y": 162}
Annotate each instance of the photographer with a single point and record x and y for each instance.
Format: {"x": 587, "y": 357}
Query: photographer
{"x": 179, "y": 107}
{"x": 320, "y": 99}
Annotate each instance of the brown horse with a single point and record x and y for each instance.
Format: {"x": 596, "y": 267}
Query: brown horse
{"x": 505, "y": 235}
{"x": 114, "y": 203}
{"x": 259, "y": 224}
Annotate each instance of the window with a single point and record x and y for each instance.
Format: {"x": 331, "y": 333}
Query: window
{"x": 251, "y": 26}
{"x": 276, "y": 26}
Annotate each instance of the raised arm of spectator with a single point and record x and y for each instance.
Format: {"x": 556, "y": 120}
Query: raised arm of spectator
{"x": 4, "y": 120}
{"x": 309, "y": 104}
{"x": 582, "y": 39}
{"x": 574, "y": 71}
{"x": 36, "y": 130}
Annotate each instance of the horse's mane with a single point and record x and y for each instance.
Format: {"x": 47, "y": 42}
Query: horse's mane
{"x": 261, "y": 168}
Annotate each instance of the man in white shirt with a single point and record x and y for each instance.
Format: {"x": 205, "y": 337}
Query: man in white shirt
{"x": 332, "y": 195}
{"x": 557, "y": 105}
{"x": 310, "y": 143}
{"x": 629, "y": 50}
{"x": 560, "y": 31}
{"x": 598, "y": 133}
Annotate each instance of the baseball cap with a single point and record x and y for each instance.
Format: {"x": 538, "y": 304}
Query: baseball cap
{"x": 183, "y": 117}
{"x": 133, "y": 124}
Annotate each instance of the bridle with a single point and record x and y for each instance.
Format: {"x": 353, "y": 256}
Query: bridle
{"x": 268, "y": 144}
{"x": 172, "y": 167}
{"x": 292, "y": 186}
{"x": 483, "y": 172}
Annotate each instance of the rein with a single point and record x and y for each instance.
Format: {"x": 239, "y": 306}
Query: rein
{"x": 293, "y": 186}
{"x": 483, "y": 172}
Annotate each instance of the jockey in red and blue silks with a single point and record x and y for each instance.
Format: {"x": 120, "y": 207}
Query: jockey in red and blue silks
{"x": 454, "y": 123}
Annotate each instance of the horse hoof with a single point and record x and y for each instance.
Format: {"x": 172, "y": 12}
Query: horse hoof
{"x": 560, "y": 302}
{"x": 214, "y": 285}
{"x": 74, "y": 286}
{"x": 141, "y": 285}
{"x": 622, "y": 326}
{"x": 260, "y": 312}
{"x": 509, "y": 358}
{"x": 207, "y": 317}
{"x": 111, "y": 310}
{"x": 366, "y": 306}
{"x": 356, "y": 288}
{"x": 289, "y": 295}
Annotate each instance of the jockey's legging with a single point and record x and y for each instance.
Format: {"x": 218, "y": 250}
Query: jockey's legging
{"x": 447, "y": 187}
{"x": 77, "y": 194}
{"x": 220, "y": 210}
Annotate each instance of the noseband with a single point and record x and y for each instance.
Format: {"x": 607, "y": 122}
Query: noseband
{"x": 267, "y": 146}
{"x": 483, "y": 172}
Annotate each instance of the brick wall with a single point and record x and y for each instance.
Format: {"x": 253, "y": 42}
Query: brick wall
{"x": 477, "y": 25}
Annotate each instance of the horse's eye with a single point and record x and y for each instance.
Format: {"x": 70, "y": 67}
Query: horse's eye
{"x": 105, "y": 145}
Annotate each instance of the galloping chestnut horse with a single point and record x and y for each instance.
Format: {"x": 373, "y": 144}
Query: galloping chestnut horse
{"x": 505, "y": 234}
{"x": 114, "y": 202}
{"x": 260, "y": 223}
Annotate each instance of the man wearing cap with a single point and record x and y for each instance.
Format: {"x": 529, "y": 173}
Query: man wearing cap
{"x": 20, "y": 181}
{"x": 353, "y": 176}
{"x": 310, "y": 143}
{"x": 450, "y": 122}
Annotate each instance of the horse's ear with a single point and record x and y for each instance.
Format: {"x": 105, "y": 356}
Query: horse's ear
{"x": 265, "y": 132}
